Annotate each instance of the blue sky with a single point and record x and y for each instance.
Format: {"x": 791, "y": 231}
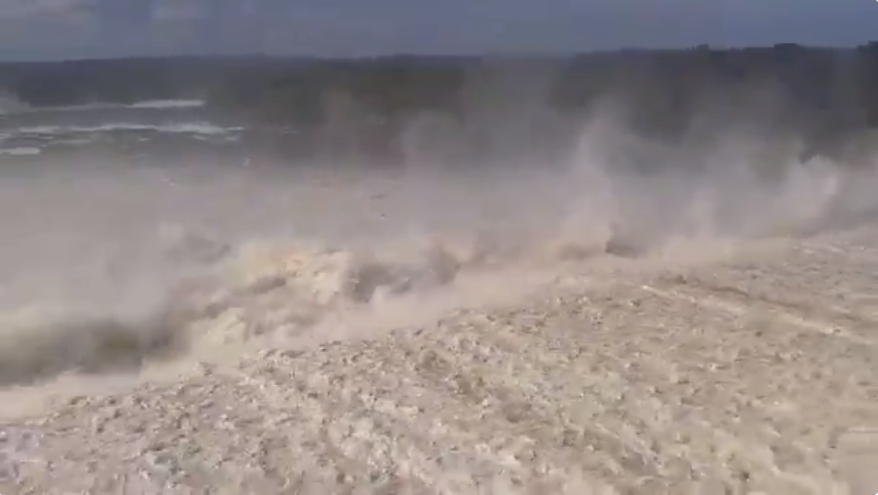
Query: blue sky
{"x": 51, "y": 29}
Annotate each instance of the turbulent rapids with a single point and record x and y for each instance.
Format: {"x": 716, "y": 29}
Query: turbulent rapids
{"x": 217, "y": 292}
{"x": 182, "y": 312}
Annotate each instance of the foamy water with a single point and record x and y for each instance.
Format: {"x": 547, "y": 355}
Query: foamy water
{"x": 20, "y": 151}
{"x": 159, "y": 104}
{"x": 138, "y": 264}
{"x": 30, "y": 132}
{"x": 204, "y": 128}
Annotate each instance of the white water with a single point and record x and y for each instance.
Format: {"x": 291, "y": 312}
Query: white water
{"x": 166, "y": 104}
{"x": 204, "y": 128}
{"x": 107, "y": 249}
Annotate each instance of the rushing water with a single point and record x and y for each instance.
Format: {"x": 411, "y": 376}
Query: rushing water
{"x": 112, "y": 216}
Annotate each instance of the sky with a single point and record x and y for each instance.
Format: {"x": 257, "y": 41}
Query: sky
{"x": 59, "y": 29}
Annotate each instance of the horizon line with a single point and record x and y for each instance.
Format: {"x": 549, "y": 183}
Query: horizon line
{"x": 388, "y": 55}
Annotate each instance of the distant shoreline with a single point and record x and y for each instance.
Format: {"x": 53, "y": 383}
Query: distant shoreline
{"x": 468, "y": 105}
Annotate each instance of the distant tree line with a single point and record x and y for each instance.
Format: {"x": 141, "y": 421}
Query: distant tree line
{"x": 386, "y": 104}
